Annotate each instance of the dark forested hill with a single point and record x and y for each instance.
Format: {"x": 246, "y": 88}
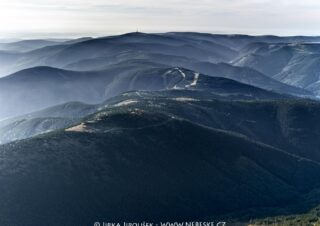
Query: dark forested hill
{"x": 132, "y": 162}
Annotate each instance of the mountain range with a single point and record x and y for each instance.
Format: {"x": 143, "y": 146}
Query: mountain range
{"x": 176, "y": 126}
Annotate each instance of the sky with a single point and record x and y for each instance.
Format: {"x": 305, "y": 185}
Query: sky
{"x": 74, "y": 18}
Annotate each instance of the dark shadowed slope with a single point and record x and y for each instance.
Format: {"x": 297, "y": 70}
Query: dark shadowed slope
{"x": 291, "y": 125}
{"x": 130, "y": 164}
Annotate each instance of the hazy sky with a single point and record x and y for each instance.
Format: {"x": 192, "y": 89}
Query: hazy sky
{"x": 103, "y": 17}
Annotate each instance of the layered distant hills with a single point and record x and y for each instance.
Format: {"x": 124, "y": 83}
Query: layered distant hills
{"x": 157, "y": 127}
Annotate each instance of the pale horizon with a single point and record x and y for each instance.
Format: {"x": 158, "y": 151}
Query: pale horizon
{"x": 78, "y": 18}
